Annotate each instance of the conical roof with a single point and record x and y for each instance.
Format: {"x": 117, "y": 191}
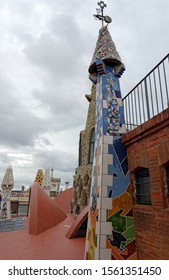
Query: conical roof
{"x": 43, "y": 211}
{"x": 105, "y": 50}
{"x": 8, "y": 181}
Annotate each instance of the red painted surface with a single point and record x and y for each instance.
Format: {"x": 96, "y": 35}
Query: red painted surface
{"x": 44, "y": 212}
{"x": 72, "y": 232}
{"x": 48, "y": 245}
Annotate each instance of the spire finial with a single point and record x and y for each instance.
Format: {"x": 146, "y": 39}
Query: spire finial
{"x": 102, "y": 6}
{"x": 100, "y": 14}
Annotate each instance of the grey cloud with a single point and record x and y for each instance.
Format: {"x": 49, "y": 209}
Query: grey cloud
{"x": 4, "y": 158}
{"x": 62, "y": 50}
{"x": 21, "y": 129}
{"x": 59, "y": 160}
{"x": 18, "y": 125}
{"x": 8, "y": 102}
{"x": 65, "y": 105}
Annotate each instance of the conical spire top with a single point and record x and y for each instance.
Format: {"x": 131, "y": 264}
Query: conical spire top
{"x": 105, "y": 50}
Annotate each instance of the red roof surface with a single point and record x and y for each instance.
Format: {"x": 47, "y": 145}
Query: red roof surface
{"x": 48, "y": 245}
{"x": 51, "y": 244}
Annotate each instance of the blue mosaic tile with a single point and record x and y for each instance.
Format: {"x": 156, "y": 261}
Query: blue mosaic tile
{"x": 118, "y": 93}
{"x": 105, "y": 130}
{"x": 124, "y": 166}
{"x": 120, "y": 149}
{"x": 110, "y": 149}
{"x": 111, "y": 170}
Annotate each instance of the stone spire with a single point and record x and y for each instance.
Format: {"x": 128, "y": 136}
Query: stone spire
{"x": 7, "y": 185}
{"x": 8, "y": 181}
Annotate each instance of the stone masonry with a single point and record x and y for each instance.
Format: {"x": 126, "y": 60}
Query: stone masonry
{"x": 82, "y": 177}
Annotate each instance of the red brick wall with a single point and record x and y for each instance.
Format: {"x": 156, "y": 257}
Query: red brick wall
{"x": 148, "y": 147}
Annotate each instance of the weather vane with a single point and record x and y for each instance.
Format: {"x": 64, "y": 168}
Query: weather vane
{"x": 100, "y": 14}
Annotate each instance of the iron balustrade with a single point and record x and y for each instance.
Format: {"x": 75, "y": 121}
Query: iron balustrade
{"x": 149, "y": 97}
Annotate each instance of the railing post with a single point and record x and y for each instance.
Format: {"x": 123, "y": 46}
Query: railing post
{"x": 146, "y": 95}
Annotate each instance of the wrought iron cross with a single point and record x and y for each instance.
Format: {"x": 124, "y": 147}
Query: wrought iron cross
{"x": 102, "y": 6}
{"x": 100, "y": 15}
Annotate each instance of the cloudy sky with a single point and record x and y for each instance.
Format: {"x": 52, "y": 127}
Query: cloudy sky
{"x": 45, "y": 50}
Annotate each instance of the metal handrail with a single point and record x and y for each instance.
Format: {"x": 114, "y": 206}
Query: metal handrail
{"x": 149, "y": 97}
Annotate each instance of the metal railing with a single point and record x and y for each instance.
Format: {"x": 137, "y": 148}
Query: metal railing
{"x": 149, "y": 97}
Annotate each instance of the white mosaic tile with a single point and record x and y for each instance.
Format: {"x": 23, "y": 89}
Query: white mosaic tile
{"x": 98, "y": 241}
{"x": 87, "y": 245}
{"x": 120, "y": 102}
{"x": 97, "y": 228}
{"x": 105, "y": 169}
{"x": 103, "y": 191}
{"x": 106, "y": 228}
{"x": 100, "y": 159}
{"x": 96, "y": 254}
{"x": 98, "y": 203}
{"x": 102, "y": 241}
{"x": 104, "y": 103}
{"x": 107, "y": 180}
{"x": 107, "y": 203}
{"x": 105, "y": 148}
{"x": 99, "y": 181}
{"x": 107, "y": 159}
{"x": 103, "y": 215}
{"x": 108, "y": 139}
{"x": 103, "y": 228}
{"x": 100, "y": 141}
{"x": 105, "y": 254}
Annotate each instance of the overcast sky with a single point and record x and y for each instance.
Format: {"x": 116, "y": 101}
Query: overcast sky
{"x": 45, "y": 49}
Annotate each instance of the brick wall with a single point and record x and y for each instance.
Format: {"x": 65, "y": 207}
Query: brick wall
{"x": 148, "y": 147}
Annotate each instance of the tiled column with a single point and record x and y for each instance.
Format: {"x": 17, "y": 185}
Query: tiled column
{"x": 110, "y": 177}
